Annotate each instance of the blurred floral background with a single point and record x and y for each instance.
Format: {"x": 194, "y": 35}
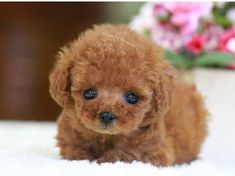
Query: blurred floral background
{"x": 192, "y": 34}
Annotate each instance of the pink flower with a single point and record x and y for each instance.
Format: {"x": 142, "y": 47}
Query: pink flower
{"x": 213, "y": 32}
{"x": 227, "y": 41}
{"x": 185, "y": 15}
{"x": 160, "y": 10}
{"x": 196, "y": 44}
{"x": 227, "y": 44}
{"x": 168, "y": 38}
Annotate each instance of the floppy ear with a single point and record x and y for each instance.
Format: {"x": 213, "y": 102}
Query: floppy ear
{"x": 60, "y": 79}
{"x": 163, "y": 88}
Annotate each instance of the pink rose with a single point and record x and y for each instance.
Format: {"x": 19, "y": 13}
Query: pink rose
{"x": 196, "y": 44}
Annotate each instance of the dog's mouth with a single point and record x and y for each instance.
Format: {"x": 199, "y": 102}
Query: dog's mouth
{"x": 107, "y": 131}
{"x": 102, "y": 128}
{"x": 106, "y": 128}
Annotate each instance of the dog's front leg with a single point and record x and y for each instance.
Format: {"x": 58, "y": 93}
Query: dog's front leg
{"x": 156, "y": 158}
{"x": 118, "y": 155}
{"x": 159, "y": 154}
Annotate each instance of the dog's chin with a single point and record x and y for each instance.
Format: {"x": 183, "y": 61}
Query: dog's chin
{"x": 106, "y": 131}
{"x": 111, "y": 130}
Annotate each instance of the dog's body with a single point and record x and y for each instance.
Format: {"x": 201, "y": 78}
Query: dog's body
{"x": 152, "y": 116}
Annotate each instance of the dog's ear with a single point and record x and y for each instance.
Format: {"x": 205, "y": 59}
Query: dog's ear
{"x": 163, "y": 88}
{"x": 59, "y": 78}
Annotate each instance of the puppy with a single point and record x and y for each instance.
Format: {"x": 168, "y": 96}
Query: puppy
{"x": 121, "y": 101}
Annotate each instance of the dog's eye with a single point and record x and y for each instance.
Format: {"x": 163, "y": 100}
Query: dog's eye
{"x": 131, "y": 98}
{"x": 90, "y": 94}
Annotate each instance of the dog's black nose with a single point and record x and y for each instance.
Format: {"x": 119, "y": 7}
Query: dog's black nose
{"x": 107, "y": 117}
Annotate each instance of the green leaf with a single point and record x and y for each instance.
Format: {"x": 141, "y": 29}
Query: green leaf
{"x": 178, "y": 60}
{"x": 220, "y": 59}
{"x": 221, "y": 19}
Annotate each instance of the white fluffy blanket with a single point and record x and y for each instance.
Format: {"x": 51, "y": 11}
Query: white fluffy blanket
{"x": 28, "y": 148}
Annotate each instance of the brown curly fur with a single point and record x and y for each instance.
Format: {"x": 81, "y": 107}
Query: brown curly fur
{"x": 168, "y": 124}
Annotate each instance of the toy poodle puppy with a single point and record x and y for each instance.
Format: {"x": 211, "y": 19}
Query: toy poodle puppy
{"x": 121, "y": 101}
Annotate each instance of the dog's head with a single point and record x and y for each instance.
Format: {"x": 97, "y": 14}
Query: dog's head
{"x": 115, "y": 80}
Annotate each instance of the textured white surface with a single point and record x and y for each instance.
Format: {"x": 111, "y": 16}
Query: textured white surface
{"x": 28, "y": 148}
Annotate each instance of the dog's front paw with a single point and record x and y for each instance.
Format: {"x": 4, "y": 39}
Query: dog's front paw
{"x": 109, "y": 157}
{"x": 116, "y": 155}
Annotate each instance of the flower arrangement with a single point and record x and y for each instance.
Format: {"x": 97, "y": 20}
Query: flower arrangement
{"x": 193, "y": 34}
